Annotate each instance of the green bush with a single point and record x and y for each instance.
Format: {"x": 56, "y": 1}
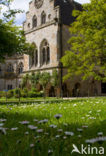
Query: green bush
{"x": 24, "y": 93}
{"x": 2, "y": 94}
{"x": 31, "y": 94}
{"x": 40, "y": 94}
{"x": 17, "y": 92}
{"x": 34, "y": 90}
{"x": 10, "y": 94}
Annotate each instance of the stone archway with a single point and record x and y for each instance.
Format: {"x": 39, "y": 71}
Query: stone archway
{"x": 64, "y": 90}
{"x": 76, "y": 90}
{"x": 51, "y": 92}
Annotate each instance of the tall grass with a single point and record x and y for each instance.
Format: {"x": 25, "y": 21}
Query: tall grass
{"x": 83, "y": 117}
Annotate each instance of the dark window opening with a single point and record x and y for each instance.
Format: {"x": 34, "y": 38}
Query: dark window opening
{"x": 76, "y": 90}
{"x": 28, "y": 25}
{"x": 45, "y": 53}
{"x": 43, "y": 18}
{"x": 36, "y": 58}
{"x": 32, "y": 58}
{"x": 9, "y": 87}
{"x": 52, "y": 92}
{"x": 20, "y": 69}
{"x": 34, "y": 21}
{"x": 10, "y": 68}
{"x": 43, "y": 56}
{"x": 48, "y": 54}
{"x": 64, "y": 90}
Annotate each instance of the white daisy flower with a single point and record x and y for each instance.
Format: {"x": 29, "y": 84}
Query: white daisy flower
{"x": 69, "y": 133}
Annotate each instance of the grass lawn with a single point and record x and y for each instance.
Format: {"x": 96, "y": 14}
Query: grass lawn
{"x": 81, "y": 120}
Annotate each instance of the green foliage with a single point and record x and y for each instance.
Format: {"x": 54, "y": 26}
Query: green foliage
{"x": 12, "y": 40}
{"x": 33, "y": 94}
{"x": 55, "y": 78}
{"x": 10, "y": 94}
{"x": 10, "y": 13}
{"x": 2, "y": 94}
{"x": 87, "y": 54}
{"x": 17, "y": 93}
{"x": 25, "y": 80}
{"x": 44, "y": 79}
{"x": 24, "y": 93}
{"x": 34, "y": 89}
{"x": 34, "y": 78}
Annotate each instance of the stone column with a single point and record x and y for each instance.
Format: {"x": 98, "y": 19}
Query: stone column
{"x": 39, "y": 58}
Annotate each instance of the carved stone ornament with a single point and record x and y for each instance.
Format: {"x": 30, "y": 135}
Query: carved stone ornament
{"x": 38, "y": 3}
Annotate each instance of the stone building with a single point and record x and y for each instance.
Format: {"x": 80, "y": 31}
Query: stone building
{"x": 10, "y": 72}
{"x": 47, "y": 27}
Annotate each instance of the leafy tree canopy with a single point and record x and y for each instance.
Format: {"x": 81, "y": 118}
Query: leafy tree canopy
{"x": 12, "y": 39}
{"x": 87, "y": 54}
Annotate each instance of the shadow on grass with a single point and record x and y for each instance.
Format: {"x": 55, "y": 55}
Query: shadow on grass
{"x": 45, "y": 101}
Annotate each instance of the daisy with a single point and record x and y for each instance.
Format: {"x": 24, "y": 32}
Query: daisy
{"x": 69, "y": 133}
{"x": 32, "y": 127}
{"x": 24, "y": 122}
{"x": 58, "y": 116}
{"x": 14, "y": 129}
{"x": 40, "y": 130}
{"x": 53, "y": 126}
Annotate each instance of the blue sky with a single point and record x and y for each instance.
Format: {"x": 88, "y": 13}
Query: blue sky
{"x": 23, "y": 5}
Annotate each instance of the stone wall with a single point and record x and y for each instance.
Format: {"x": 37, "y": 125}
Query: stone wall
{"x": 11, "y": 78}
{"x": 48, "y": 31}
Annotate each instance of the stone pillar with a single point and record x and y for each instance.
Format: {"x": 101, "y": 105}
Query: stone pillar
{"x": 39, "y": 58}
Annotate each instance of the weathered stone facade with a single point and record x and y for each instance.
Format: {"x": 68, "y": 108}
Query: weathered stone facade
{"x": 47, "y": 27}
{"x": 10, "y": 72}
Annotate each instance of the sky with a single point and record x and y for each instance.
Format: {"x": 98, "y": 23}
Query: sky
{"x": 23, "y": 5}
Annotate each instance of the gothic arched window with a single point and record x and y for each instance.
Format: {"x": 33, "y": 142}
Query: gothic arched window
{"x": 45, "y": 52}
{"x": 48, "y": 54}
{"x": 34, "y": 57}
{"x": 43, "y": 18}
{"x": 20, "y": 68}
{"x": 28, "y": 25}
{"x": 10, "y": 68}
{"x": 34, "y": 21}
{"x": 43, "y": 55}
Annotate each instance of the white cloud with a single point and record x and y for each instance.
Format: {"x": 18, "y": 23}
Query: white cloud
{"x": 83, "y": 1}
{"x": 23, "y": 5}
{"x": 20, "y": 4}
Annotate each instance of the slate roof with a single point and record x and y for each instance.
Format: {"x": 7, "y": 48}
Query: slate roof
{"x": 67, "y": 6}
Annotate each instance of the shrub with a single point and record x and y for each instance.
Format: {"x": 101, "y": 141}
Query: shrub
{"x": 34, "y": 89}
{"x": 2, "y": 94}
{"x": 24, "y": 93}
{"x": 40, "y": 94}
{"x": 31, "y": 94}
{"x": 10, "y": 94}
{"x": 17, "y": 93}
